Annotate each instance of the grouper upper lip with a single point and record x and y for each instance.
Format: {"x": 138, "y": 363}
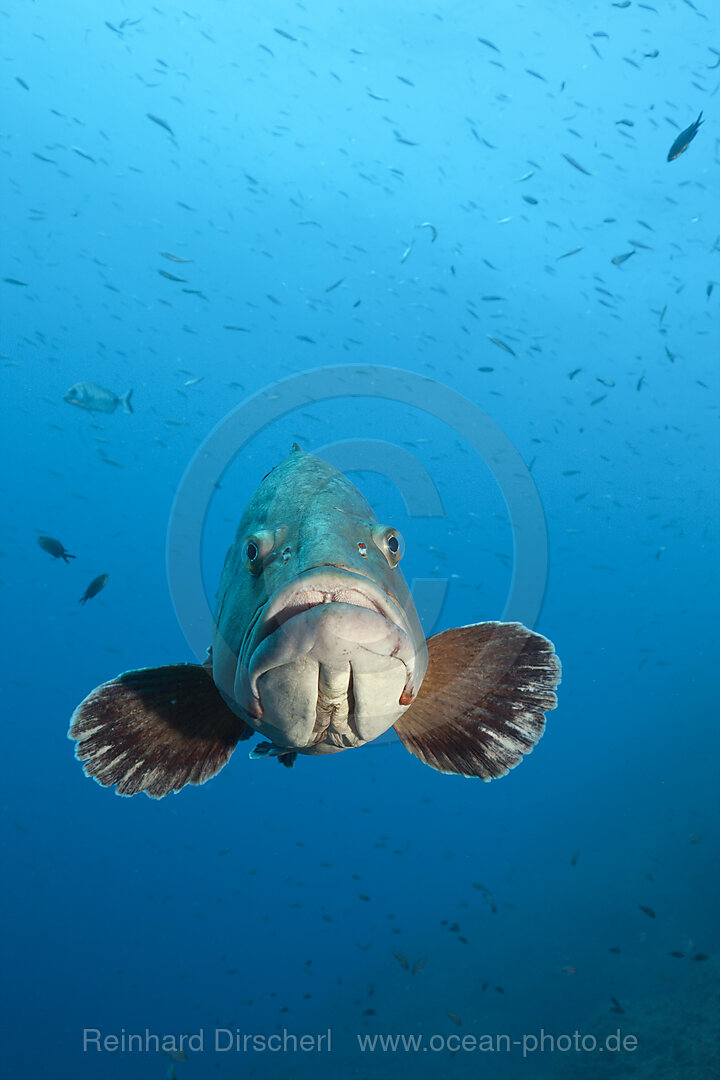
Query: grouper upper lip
{"x": 327, "y": 583}
{"x": 324, "y": 584}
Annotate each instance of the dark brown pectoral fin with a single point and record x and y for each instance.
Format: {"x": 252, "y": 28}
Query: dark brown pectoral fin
{"x": 155, "y": 730}
{"x": 482, "y": 702}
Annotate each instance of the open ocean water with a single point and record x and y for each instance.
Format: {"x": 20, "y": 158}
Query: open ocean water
{"x": 443, "y": 247}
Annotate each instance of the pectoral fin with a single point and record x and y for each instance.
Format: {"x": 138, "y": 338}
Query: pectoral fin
{"x": 482, "y": 702}
{"x": 155, "y": 730}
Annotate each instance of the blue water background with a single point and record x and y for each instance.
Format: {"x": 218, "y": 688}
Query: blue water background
{"x": 240, "y": 904}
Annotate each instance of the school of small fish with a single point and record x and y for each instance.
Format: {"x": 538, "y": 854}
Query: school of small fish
{"x": 462, "y": 272}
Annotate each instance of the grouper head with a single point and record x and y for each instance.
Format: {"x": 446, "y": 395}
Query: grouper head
{"x": 318, "y": 645}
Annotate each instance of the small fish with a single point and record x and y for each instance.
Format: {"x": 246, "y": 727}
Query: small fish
{"x": 335, "y": 285}
{"x": 96, "y": 585}
{"x": 176, "y": 1054}
{"x": 352, "y": 651}
{"x": 232, "y": 326}
{"x": 576, "y": 165}
{"x": 677, "y": 955}
{"x": 429, "y": 225}
{"x": 567, "y": 254}
{"x": 284, "y": 33}
{"x": 402, "y": 960}
{"x": 171, "y": 277}
{"x": 418, "y": 965}
{"x": 83, "y": 154}
{"x": 94, "y": 398}
{"x": 616, "y": 1006}
{"x": 684, "y": 139}
{"x": 648, "y": 911}
{"x": 304, "y": 337}
{"x": 194, "y": 382}
{"x": 700, "y": 957}
{"x": 484, "y": 41}
{"x": 15, "y": 281}
{"x": 652, "y": 55}
{"x": 618, "y": 260}
{"x": 161, "y": 123}
{"x": 613, "y": 949}
{"x": 455, "y": 1018}
{"x": 575, "y": 854}
{"x": 54, "y": 548}
{"x": 501, "y": 345}
{"x": 574, "y": 373}
{"x": 405, "y": 253}
{"x": 174, "y": 258}
{"x": 21, "y": 82}
{"x": 487, "y": 895}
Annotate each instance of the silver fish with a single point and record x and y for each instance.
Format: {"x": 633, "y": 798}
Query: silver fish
{"x": 318, "y": 648}
{"x": 94, "y": 398}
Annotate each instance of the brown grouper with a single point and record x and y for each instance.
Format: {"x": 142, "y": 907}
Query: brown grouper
{"x": 318, "y": 648}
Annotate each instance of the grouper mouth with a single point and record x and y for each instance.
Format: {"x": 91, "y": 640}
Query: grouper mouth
{"x": 335, "y": 635}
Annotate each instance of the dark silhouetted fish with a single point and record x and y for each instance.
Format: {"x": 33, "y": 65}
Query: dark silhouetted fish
{"x": 54, "y": 548}
{"x": 684, "y": 139}
{"x": 318, "y": 647}
{"x": 161, "y": 123}
{"x": 96, "y": 585}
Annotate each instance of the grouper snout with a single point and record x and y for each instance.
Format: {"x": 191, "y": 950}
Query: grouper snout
{"x": 331, "y": 654}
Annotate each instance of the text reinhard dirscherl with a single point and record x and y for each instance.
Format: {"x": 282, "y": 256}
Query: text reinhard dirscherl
{"x": 224, "y": 1040}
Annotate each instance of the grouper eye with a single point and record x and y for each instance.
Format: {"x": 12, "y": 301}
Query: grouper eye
{"x": 255, "y": 550}
{"x": 390, "y": 543}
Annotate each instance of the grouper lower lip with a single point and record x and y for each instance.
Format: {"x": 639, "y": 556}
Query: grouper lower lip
{"x": 329, "y": 610}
